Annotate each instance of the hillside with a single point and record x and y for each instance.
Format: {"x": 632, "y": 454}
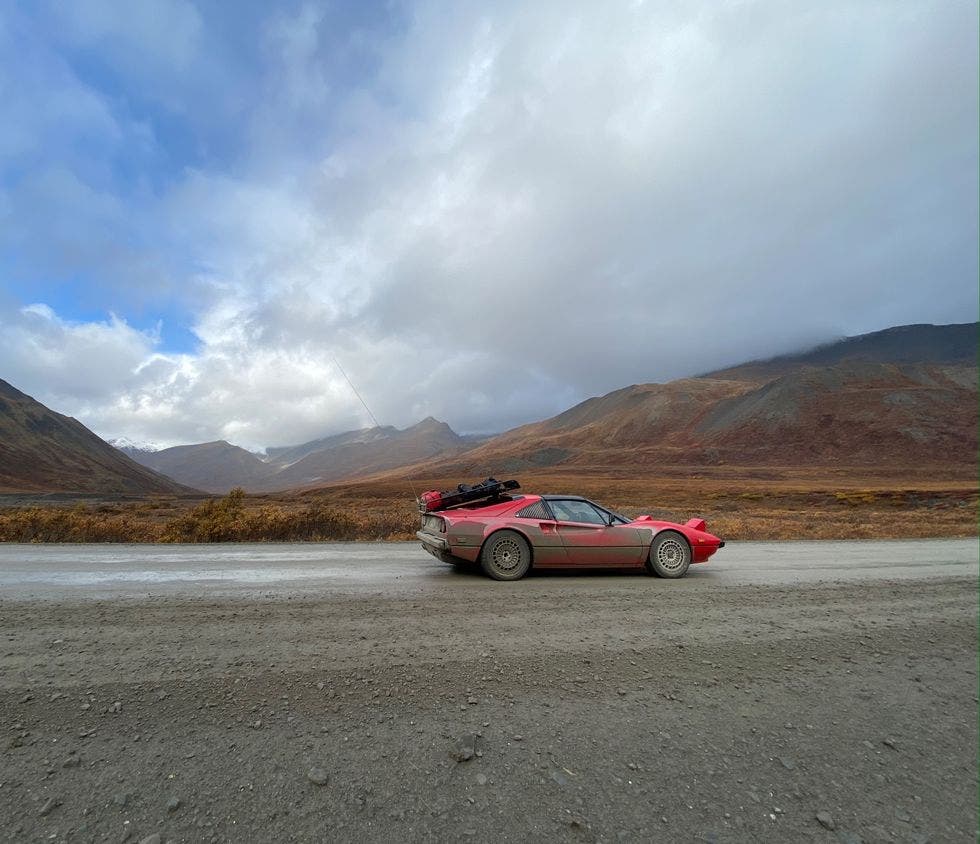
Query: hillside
{"x": 214, "y": 467}
{"x": 940, "y": 345}
{"x": 44, "y": 451}
{"x": 220, "y": 466}
{"x": 861, "y": 413}
{"x": 604, "y": 430}
{"x": 379, "y": 451}
{"x": 287, "y": 455}
{"x": 902, "y": 397}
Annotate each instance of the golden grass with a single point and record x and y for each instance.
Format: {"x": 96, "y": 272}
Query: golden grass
{"x": 234, "y": 518}
{"x": 750, "y": 504}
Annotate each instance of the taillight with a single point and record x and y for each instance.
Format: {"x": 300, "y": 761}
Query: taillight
{"x": 434, "y": 524}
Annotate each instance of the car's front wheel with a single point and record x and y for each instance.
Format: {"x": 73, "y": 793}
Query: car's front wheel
{"x": 670, "y": 555}
{"x": 506, "y": 556}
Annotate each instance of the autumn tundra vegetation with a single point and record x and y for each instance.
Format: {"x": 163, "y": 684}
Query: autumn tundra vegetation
{"x": 736, "y": 506}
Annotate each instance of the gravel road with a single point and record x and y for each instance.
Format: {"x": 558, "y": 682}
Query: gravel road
{"x": 818, "y": 691}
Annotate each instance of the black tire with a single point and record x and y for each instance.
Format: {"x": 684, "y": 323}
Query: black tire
{"x": 670, "y": 555}
{"x": 505, "y": 556}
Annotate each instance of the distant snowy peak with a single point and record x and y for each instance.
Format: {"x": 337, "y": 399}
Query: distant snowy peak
{"x": 131, "y": 447}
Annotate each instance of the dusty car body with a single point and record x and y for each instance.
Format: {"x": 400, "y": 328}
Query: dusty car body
{"x": 509, "y": 535}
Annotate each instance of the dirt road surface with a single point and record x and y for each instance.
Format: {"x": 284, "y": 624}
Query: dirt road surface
{"x": 784, "y": 692}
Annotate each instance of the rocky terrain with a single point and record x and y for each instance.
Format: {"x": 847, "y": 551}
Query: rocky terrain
{"x": 611, "y": 708}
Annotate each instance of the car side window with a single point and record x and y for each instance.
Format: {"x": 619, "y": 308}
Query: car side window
{"x": 577, "y": 511}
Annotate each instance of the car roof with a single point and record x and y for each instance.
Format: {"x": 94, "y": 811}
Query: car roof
{"x": 565, "y": 498}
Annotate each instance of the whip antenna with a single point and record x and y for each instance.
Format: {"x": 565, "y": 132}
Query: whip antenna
{"x": 374, "y": 418}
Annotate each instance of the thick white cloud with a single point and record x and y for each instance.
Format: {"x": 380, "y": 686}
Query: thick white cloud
{"x": 524, "y": 205}
{"x": 74, "y": 362}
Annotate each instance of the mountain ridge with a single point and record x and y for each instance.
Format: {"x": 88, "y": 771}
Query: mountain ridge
{"x": 914, "y": 343}
{"x": 907, "y": 393}
{"x": 45, "y": 451}
{"x": 219, "y": 466}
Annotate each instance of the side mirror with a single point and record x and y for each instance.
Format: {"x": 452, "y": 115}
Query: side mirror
{"x": 610, "y": 520}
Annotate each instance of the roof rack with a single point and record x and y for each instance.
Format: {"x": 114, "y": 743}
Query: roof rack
{"x": 465, "y": 494}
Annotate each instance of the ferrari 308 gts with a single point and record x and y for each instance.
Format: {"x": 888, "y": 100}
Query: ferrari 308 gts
{"x": 508, "y": 534}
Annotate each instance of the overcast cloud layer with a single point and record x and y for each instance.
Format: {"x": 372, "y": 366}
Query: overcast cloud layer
{"x": 486, "y": 213}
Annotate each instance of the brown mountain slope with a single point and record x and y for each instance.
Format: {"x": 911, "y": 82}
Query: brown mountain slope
{"x": 610, "y": 430}
{"x": 873, "y": 404}
{"x": 287, "y": 455}
{"x": 215, "y": 467}
{"x": 43, "y": 451}
{"x": 220, "y": 466}
{"x": 858, "y": 413}
{"x": 940, "y": 345}
{"x": 428, "y": 439}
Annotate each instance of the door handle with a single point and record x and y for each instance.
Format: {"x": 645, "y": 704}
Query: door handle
{"x": 547, "y": 527}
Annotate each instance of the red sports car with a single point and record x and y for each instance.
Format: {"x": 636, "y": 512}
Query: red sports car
{"x": 508, "y": 534}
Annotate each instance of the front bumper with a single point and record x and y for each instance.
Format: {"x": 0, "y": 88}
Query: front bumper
{"x": 702, "y": 553}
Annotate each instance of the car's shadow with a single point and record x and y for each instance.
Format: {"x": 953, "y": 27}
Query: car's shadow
{"x": 475, "y": 572}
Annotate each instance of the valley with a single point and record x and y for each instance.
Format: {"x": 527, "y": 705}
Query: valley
{"x": 870, "y": 437}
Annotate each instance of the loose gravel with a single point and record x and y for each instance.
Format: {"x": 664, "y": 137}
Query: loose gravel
{"x": 622, "y": 708}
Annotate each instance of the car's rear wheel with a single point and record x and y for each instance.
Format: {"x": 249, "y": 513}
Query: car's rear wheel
{"x": 670, "y": 555}
{"x": 506, "y": 556}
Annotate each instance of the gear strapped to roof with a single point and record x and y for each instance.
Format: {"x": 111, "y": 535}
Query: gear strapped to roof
{"x": 465, "y": 494}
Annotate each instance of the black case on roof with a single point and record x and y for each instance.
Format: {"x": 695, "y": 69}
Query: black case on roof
{"x": 467, "y": 494}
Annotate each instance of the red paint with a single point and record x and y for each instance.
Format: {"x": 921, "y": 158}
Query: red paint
{"x": 560, "y": 544}
{"x": 431, "y": 500}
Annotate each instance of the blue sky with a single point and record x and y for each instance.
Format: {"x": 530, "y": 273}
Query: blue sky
{"x": 109, "y": 107}
{"x": 487, "y": 212}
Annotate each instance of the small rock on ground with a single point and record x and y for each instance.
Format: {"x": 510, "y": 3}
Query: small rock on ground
{"x": 825, "y": 820}
{"x": 465, "y": 748}
{"x": 318, "y": 776}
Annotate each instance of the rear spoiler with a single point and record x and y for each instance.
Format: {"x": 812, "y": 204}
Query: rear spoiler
{"x": 464, "y": 494}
